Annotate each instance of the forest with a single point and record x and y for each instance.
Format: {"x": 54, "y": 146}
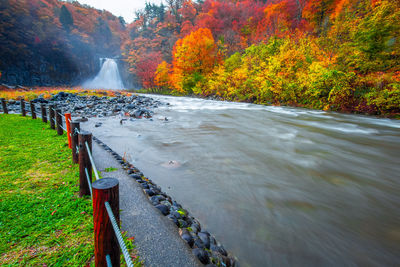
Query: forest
{"x": 323, "y": 54}
{"x": 50, "y": 42}
{"x": 340, "y": 55}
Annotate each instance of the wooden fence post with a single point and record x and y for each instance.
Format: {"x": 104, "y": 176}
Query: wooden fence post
{"x": 23, "y": 111}
{"x": 75, "y": 127}
{"x": 105, "y": 241}
{"x": 52, "y": 117}
{"x": 33, "y": 112}
{"x": 59, "y": 122}
{"x": 68, "y": 127}
{"x": 84, "y": 162}
{"x": 4, "y": 104}
{"x": 44, "y": 115}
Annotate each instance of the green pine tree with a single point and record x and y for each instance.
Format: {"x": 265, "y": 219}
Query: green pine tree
{"x": 66, "y": 18}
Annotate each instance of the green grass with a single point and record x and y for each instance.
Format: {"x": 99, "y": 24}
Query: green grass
{"x": 42, "y": 219}
{"x": 110, "y": 169}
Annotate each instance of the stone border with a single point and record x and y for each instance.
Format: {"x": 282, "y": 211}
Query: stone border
{"x": 204, "y": 245}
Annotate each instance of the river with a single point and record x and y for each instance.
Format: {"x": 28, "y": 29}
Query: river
{"x": 277, "y": 186}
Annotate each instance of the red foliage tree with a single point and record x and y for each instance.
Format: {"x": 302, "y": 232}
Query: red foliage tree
{"x": 146, "y": 69}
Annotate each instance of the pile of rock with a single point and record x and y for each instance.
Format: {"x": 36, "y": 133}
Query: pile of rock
{"x": 93, "y": 106}
{"x": 203, "y": 244}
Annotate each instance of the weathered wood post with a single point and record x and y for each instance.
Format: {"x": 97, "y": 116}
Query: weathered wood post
{"x": 52, "y": 117}
{"x": 68, "y": 127}
{"x": 4, "y": 104}
{"x": 75, "y": 128}
{"x": 84, "y": 162}
{"x": 43, "y": 111}
{"x": 33, "y": 112}
{"x": 59, "y": 122}
{"x": 23, "y": 111}
{"x": 105, "y": 241}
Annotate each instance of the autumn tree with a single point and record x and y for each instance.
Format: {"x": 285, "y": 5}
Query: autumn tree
{"x": 194, "y": 57}
{"x": 279, "y": 17}
{"x": 317, "y": 12}
{"x": 376, "y": 36}
{"x": 162, "y": 75}
{"x": 146, "y": 69}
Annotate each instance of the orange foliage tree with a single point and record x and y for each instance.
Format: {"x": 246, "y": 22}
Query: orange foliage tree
{"x": 194, "y": 57}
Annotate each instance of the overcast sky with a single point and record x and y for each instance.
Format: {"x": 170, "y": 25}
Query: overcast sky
{"x": 124, "y": 8}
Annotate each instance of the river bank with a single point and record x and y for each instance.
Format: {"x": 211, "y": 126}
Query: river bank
{"x": 307, "y": 186}
{"x": 295, "y": 186}
{"x": 98, "y": 104}
{"x": 43, "y": 221}
{"x": 204, "y": 245}
{"x": 200, "y": 243}
{"x": 162, "y": 92}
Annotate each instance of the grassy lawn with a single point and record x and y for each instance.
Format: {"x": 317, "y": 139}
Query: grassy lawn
{"x": 43, "y": 222}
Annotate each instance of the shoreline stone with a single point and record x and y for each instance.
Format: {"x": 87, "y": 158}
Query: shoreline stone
{"x": 203, "y": 244}
{"x": 134, "y": 106}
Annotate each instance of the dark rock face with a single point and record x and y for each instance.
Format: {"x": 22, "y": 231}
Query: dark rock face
{"x": 49, "y": 69}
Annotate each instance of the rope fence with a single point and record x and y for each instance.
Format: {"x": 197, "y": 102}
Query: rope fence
{"x": 103, "y": 192}
{"x": 63, "y": 128}
{"x": 89, "y": 182}
{"x": 108, "y": 260}
{"x": 92, "y": 161}
{"x": 119, "y": 235}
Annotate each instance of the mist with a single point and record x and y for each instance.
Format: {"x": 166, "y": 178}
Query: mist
{"x": 107, "y": 78}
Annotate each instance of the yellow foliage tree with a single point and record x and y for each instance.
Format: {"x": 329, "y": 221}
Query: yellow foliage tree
{"x": 162, "y": 75}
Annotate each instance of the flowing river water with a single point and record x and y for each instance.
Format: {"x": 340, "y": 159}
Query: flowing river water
{"x": 278, "y": 186}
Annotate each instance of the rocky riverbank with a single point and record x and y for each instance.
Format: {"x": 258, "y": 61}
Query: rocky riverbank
{"x": 134, "y": 106}
{"x": 204, "y": 245}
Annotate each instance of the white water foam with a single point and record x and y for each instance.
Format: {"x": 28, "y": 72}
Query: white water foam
{"x": 107, "y": 78}
{"x": 343, "y": 127}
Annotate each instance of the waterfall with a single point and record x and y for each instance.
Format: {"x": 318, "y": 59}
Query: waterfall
{"x": 107, "y": 78}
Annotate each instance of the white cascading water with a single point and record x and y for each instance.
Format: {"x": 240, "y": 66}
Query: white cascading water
{"x": 107, "y": 78}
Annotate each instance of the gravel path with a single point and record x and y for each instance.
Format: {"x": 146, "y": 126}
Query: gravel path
{"x": 157, "y": 238}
